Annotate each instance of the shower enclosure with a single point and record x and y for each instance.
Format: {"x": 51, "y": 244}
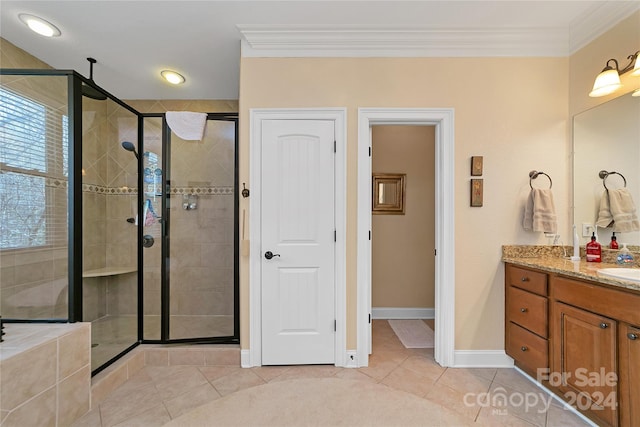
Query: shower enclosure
{"x": 108, "y": 217}
{"x": 190, "y": 215}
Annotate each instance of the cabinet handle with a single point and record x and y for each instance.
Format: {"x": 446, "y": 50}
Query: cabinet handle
{"x": 604, "y": 325}
{"x": 524, "y": 310}
{"x": 632, "y": 336}
{"x": 524, "y": 279}
{"x": 524, "y": 348}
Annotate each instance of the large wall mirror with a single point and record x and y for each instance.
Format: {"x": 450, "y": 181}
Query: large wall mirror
{"x": 606, "y": 137}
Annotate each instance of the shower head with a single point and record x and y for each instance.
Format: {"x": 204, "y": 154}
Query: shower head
{"x": 90, "y": 91}
{"x": 130, "y": 147}
{"x": 93, "y": 93}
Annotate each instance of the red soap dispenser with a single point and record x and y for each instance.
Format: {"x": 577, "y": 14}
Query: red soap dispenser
{"x": 594, "y": 250}
{"x": 614, "y": 241}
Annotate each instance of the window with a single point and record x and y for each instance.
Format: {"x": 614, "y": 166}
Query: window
{"x": 33, "y": 169}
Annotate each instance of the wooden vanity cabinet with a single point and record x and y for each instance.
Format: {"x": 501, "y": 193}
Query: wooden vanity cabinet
{"x": 629, "y": 374}
{"x": 526, "y": 326}
{"x": 588, "y": 331}
{"x": 585, "y": 354}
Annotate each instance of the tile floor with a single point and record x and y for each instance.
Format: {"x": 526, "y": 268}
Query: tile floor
{"x": 155, "y": 395}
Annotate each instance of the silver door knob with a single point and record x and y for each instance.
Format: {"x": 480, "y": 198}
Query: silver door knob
{"x": 269, "y": 255}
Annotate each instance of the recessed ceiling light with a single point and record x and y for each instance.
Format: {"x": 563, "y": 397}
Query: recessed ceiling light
{"x": 39, "y": 25}
{"x": 172, "y": 77}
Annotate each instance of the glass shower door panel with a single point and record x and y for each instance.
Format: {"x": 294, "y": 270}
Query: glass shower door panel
{"x": 33, "y": 197}
{"x": 201, "y": 226}
{"x": 152, "y": 227}
{"x": 110, "y": 207}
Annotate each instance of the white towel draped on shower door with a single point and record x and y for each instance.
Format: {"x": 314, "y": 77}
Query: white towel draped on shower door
{"x": 186, "y": 124}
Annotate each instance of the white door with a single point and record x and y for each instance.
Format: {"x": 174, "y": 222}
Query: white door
{"x": 298, "y": 228}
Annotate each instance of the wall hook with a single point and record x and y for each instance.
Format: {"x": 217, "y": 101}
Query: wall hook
{"x": 245, "y": 191}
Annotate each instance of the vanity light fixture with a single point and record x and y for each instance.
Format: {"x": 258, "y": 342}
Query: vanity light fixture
{"x": 608, "y": 81}
{"x": 39, "y": 25}
{"x": 172, "y": 77}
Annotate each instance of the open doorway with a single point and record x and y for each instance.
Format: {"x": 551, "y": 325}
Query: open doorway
{"x": 444, "y": 252}
{"x": 403, "y": 240}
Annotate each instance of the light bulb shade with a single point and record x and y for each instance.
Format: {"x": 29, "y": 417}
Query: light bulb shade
{"x": 608, "y": 81}
{"x": 172, "y": 77}
{"x": 39, "y": 25}
{"x": 636, "y": 68}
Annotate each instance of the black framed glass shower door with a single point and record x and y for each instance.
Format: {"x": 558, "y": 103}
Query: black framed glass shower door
{"x": 190, "y": 223}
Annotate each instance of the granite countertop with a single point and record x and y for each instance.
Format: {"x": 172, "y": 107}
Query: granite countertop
{"x": 551, "y": 259}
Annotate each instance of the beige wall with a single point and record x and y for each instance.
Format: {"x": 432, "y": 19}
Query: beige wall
{"x": 403, "y": 267}
{"x": 512, "y": 111}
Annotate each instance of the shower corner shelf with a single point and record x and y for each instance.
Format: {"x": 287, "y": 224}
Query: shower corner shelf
{"x": 108, "y": 271}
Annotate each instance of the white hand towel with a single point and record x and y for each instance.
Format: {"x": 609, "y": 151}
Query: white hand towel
{"x": 605, "y": 219}
{"x": 540, "y": 212}
{"x": 623, "y": 211}
{"x": 186, "y": 124}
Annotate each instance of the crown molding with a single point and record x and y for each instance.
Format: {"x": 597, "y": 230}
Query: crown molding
{"x": 386, "y": 41}
{"x": 358, "y": 41}
{"x": 597, "y": 21}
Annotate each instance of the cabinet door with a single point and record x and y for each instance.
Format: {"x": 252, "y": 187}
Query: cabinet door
{"x": 585, "y": 357}
{"x": 629, "y": 376}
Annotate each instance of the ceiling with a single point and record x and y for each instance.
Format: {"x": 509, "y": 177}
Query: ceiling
{"x": 134, "y": 40}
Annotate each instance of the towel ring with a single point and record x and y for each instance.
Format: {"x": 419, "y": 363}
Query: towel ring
{"x": 603, "y": 174}
{"x": 534, "y": 175}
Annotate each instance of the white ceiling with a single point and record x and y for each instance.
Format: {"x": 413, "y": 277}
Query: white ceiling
{"x": 134, "y": 40}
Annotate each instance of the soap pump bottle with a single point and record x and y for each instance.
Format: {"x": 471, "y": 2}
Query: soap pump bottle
{"x": 624, "y": 256}
{"x": 614, "y": 241}
{"x": 594, "y": 250}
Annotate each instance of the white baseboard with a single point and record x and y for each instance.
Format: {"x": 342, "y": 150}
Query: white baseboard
{"x": 481, "y": 359}
{"x": 245, "y": 358}
{"x": 402, "y": 313}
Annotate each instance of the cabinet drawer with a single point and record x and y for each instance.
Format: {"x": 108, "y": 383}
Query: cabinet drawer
{"x": 527, "y": 348}
{"x": 532, "y": 281}
{"x": 527, "y": 310}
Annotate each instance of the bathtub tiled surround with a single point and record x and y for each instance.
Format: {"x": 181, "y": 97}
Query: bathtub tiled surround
{"x": 45, "y": 374}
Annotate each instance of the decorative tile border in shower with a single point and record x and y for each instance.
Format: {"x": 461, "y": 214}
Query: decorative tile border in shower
{"x": 101, "y": 189}
{"x": 220, "y": 191}
{"x": 204, "y": 191}
{"x": 55, "y": 182}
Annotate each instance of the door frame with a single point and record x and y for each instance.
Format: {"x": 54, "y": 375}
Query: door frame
{"x": 443, "y": 120}
{"x": 339, "y": 117}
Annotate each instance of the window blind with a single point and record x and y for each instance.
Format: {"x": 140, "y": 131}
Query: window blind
{"x": 33, "y": 173}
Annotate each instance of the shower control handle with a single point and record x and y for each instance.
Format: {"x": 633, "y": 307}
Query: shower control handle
{"x": 269, "y": 255}
{"x": 147, "y": 241}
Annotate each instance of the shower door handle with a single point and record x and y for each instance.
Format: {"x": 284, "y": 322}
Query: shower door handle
{"x": 269, "y": 255}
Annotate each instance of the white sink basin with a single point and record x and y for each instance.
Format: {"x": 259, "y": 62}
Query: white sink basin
{"x": 632, "y": 274}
